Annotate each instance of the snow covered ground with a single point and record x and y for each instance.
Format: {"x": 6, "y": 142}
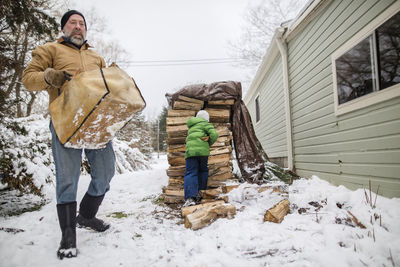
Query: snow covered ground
{"x": 317, "y": 232}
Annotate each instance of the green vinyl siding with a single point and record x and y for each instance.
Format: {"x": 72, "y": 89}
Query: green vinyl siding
{"x": 355, "y": 182}
{"x": 350, "y": 149}
{"x": 271, "y": 129}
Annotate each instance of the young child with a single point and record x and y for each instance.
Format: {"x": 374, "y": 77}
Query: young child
{"x": 201, "y": 135}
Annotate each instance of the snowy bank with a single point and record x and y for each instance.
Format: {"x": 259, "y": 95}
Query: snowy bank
{"x": 317, "y": 232}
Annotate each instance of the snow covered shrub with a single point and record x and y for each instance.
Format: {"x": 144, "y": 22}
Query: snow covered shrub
{"x": 128, "y": 159}
{"x": 25, "y": 154}
{"x": 26, "y": 159}
{"x": 138, "y": 135}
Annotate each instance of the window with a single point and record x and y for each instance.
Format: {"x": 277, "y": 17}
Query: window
{"x": 388, "y": 42}
{"x": 257, "y": 109}
{"x": 369, "y": 65}
{"x": 356, "y": 72}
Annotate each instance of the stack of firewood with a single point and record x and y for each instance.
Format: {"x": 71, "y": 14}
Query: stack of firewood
{"x": 214, "y": 202}
{"x": 219, "y": 162}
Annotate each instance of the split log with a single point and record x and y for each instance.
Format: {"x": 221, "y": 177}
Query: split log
{"x": 176, "y": 170}
{"x": 208, "y": 200}
{"x": 219, "y": 158}
{"x": 176, "y": 155}
{"x": 190, "y": 99}
{"x": 181, "y": 113}
{"x": 220, "y": 177}
{"x": 229, "y": 188}
{"x": 228, "y": 102}
{"x": 225, "y": 140}
{"x": 213, "y": 168}
{"x": 222, "y": 124}
{"x": 277, "y": 212}
{"x": 176, "y": 140}
{"x": 223, "y": 131}
{"x": 203, "y": 217}
{"x": 175, "y": 182}
{"x": 173, "y": 192}
{"x": 220, "y": 144}
{"x": 173, "y": 199}
{"x": 220, "y": 150}
{"x": 176, "y": 148}
{"x": 189, "y": 210}
{"x": 176, "y": 158}
{"x": 217, "y": 170}
{"x": 177, "y": 120}
{"x": 187, "y": 105}
{"x": 210, "y": 193}
{"x": 177, "y": 130}
{"x": 219, "y": 115}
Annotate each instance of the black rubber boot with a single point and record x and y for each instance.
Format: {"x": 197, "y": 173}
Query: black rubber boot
{"x": 87, "y": 214}
{"x": 67, "y": 218}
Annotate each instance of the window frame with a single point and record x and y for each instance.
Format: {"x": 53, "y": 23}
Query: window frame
{"x": 374, "y": 97}
{"x": 257, "y": 107}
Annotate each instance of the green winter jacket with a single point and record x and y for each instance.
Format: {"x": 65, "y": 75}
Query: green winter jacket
{"x": 198, "y": 128}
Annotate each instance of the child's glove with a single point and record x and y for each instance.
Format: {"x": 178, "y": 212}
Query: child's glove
{"x": 56, "y": 78}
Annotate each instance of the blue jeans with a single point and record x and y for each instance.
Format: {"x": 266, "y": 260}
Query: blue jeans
{"x": 68, "y": 169}
{"x": 196, "y": 175}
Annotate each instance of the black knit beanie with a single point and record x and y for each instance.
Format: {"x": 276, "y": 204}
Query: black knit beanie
{"x": 68, "y": 14}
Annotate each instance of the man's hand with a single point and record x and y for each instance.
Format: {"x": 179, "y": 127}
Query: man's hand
{"x": 56, "y": 78}
{"x": 205, "y": 138}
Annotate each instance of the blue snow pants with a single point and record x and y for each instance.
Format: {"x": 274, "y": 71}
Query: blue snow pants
{"x": 68, "y": 168}
{"x": 196, "y": 175}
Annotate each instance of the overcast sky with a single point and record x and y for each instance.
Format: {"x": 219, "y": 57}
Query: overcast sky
{"x": 158, "y": 30}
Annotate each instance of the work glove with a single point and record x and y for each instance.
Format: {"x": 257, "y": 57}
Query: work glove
{"x": 56, "y": 78}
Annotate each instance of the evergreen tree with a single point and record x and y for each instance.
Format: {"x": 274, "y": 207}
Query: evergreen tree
{"x": 23, "y": 25}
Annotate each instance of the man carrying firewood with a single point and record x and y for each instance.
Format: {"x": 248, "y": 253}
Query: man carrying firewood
{"x": 201, "y": 135}
{"x": 52, "y": 66}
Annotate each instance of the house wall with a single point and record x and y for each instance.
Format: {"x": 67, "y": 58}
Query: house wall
{"x": 351, "y": 149}
{"x": 270, "y": 130}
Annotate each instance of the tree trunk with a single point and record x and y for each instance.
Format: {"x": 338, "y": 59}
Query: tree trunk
{"x": 30, "y": 103}
{"x": 15, "y": 61}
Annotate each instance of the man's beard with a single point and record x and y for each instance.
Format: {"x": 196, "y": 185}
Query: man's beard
{"x": 75, "y": 40}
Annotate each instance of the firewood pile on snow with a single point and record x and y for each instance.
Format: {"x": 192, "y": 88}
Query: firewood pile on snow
{"x": 214, "y": 203}
{"x": 220, "y": 160}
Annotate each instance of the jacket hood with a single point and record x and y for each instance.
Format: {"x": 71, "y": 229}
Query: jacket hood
{"x": 194, "y": 120}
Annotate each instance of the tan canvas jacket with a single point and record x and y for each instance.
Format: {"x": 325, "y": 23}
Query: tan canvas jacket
{"x": 59, "y": 55}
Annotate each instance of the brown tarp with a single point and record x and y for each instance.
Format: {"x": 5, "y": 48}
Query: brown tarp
{"x": 248, "y": 150}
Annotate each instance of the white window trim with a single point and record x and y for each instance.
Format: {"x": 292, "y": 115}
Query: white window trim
{"x": 259, "y": 107}
{"x": 375, "y": 97}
